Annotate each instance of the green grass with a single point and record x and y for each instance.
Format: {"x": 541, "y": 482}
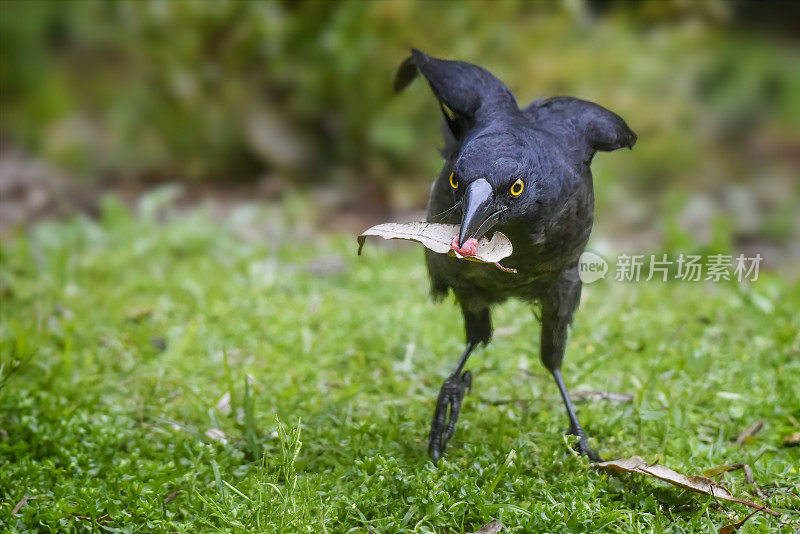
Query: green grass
{"x": 119, "y": 338}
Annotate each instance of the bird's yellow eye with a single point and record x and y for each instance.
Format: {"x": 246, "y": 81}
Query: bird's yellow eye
{"x": 453, "y": 180}
{"x": 517, "y": 187}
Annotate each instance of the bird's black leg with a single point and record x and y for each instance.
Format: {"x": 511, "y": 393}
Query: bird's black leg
{"x": 478, "y": 326}
{"x": 557, "y": 309}
{"x": 574, "y": 425}
{"x": 450, "y": 397}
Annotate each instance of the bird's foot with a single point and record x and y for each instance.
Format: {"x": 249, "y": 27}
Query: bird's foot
{"x": 443, "y": 427}
{"x": 583, "y": 448}
{"x": 583, "y": 445}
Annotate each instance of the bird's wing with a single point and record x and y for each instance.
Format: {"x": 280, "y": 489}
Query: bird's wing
{"x": 589, "y": 126}
{"x": 465, "y": 91}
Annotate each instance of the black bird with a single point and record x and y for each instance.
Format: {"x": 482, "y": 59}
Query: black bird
{"x": 524, "y": 172}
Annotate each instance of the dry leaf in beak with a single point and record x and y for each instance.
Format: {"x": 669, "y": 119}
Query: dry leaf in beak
{"x": 438, "y": 238}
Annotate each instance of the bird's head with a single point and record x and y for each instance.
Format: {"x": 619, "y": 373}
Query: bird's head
{"x": 506, "y": 164}
{"x": 494, "y": 181}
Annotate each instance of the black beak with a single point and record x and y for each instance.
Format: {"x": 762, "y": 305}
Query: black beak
{"x": 479, "y": 217}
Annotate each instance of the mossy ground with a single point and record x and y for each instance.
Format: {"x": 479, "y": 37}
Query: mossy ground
{"x": 121, "y": 336}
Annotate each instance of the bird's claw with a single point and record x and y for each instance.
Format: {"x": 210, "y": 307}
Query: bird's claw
{"x": 443, "y": 427}
{"x": 583, "y": 446}
{"x": 584, "y": 449}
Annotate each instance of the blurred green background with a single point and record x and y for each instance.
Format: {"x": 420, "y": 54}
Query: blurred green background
{"x": 268, "y": 99}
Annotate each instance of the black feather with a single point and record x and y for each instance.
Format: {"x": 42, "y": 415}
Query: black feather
{"x": 405, "y": 74}
{"x": 465, "y": 91}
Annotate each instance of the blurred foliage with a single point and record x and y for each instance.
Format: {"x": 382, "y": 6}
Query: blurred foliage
{"x": 241, "y": 89}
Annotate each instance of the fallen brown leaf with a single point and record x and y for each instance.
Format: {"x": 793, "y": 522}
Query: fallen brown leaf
{"x": 437, "y": 237}
{"x": 492, "y": 527}
{"x": 706, "y": 486}
{"x": 749, "y": 432}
